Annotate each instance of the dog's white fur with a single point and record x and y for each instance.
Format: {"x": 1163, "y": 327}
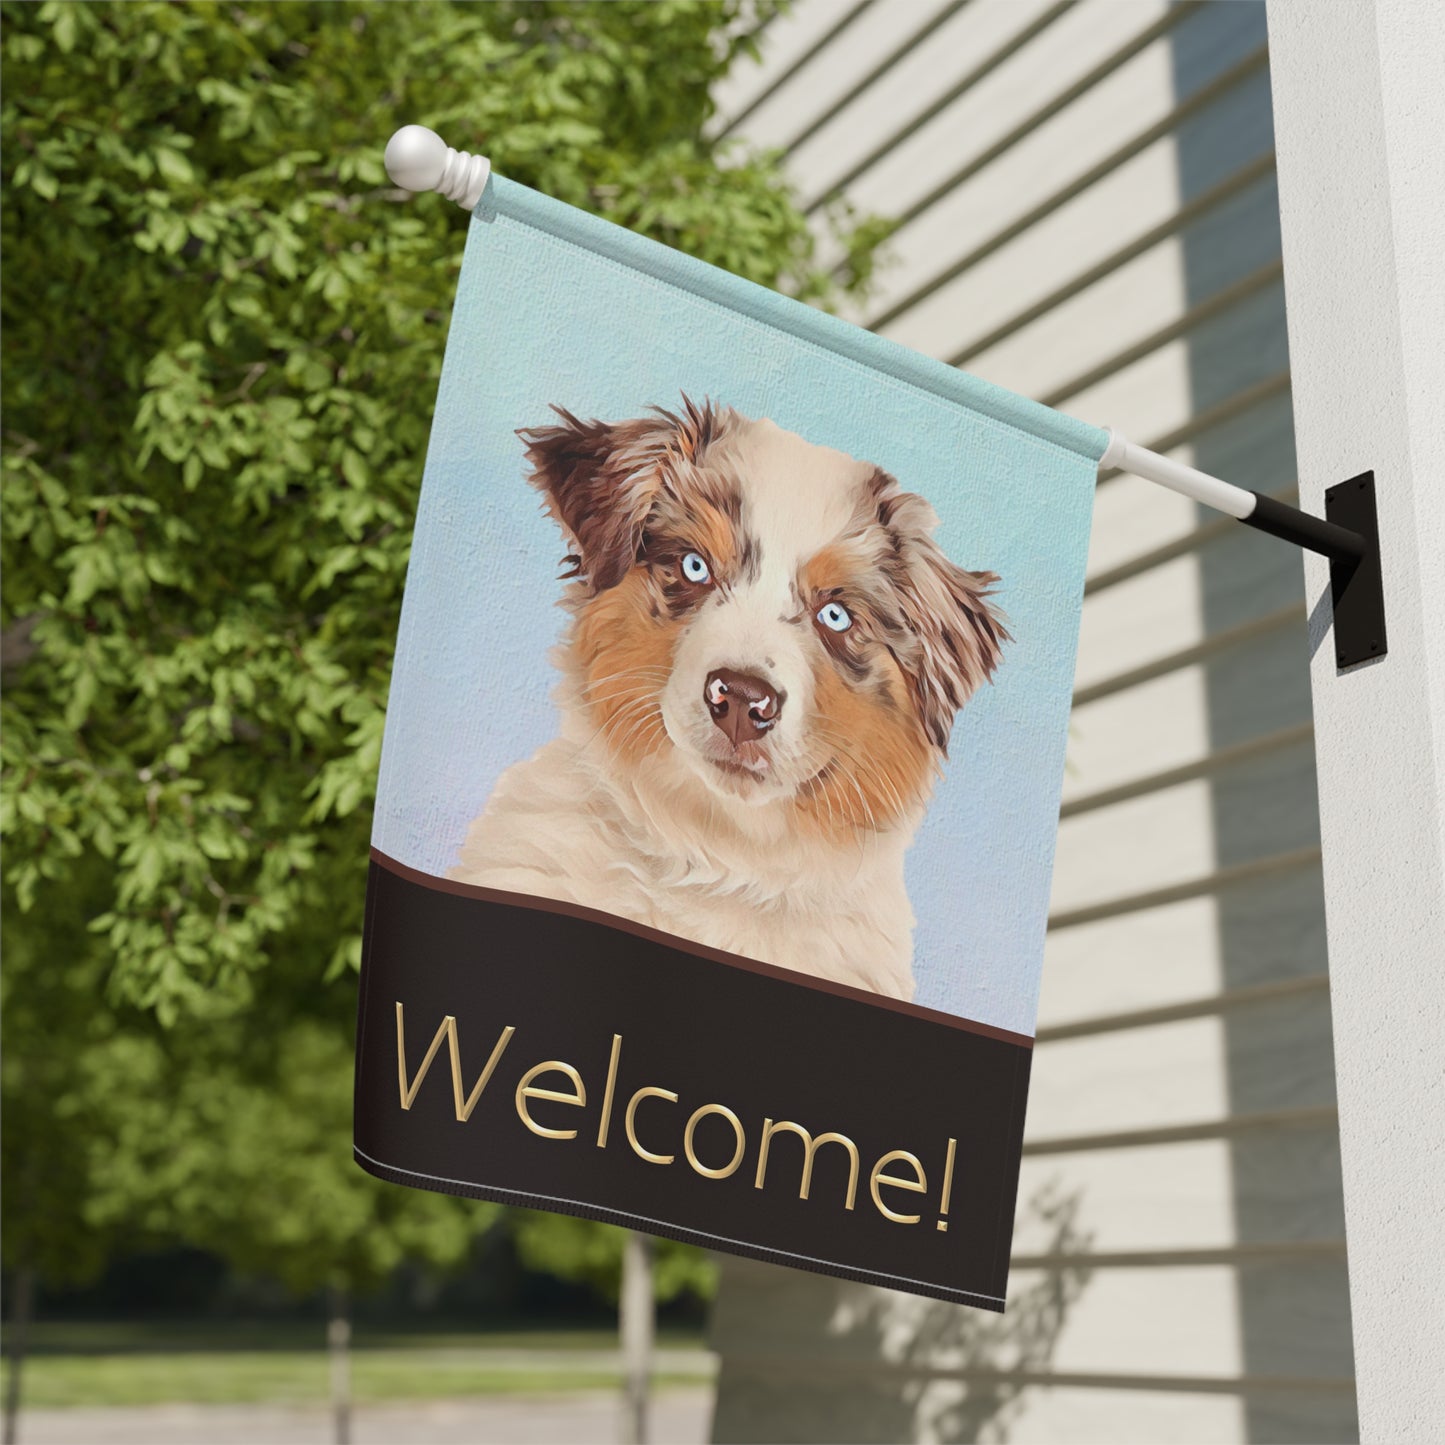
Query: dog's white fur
{"x": 673, "y": 840}
{"x": 716, "y": 871}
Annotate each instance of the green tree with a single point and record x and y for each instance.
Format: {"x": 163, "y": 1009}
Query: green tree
{"x": 222, "y": 332}
{"x": 48, "y": 989}
{"x": 123, "y": 1134}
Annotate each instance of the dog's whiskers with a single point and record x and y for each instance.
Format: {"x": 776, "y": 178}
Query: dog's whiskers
{"x": 653, "y": 673}
{"x": 637, "y": 723}
{"x": 650, "y": 676}
{"x": 870, "y": 771}
{"x": 843, "y": 784}
{"x": 875, "y": 775}
{"x": 823, "y": 789}
{"x": 621, "y": 692}
{"x": 618, "y": 717}
{"x": 866, "y": 837}
{"x": 857, "y": 771}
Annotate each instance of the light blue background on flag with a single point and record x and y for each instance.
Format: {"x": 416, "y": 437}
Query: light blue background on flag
{"x": 555, "y": 306}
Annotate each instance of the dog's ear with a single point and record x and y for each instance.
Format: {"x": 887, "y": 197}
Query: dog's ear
{"x": 959, "y": 633}
{"x": 600, "y": 479}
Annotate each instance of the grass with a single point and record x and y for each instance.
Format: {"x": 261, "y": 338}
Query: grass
{"x": 165, "y": 1335}
{"x": 104, "y": 1365}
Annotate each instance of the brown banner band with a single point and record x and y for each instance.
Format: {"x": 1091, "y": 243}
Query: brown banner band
{"x": 534, "y": 1053}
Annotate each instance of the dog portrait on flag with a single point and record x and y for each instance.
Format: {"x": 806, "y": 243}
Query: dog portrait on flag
{"x": 764, "y": 652}
{"x": 731, "y": 623}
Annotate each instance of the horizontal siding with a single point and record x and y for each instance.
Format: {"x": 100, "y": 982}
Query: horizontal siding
{"x": 1089, "y": 216}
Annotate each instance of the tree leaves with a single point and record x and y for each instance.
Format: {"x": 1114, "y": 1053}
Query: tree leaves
{"x": 223, "y": 333}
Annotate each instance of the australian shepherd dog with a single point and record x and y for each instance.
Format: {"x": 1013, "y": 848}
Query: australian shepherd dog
{"x": 764, "y": 656}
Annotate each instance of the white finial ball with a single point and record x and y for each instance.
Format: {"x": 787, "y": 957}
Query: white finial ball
{"x": 415, "y": 158}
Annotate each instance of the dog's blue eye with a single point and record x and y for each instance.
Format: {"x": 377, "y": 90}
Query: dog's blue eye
{"x": 835, "y": 617}
{"x": 695, "y": 569}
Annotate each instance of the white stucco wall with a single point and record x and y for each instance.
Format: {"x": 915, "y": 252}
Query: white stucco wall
{"x": 1360, "y": 123}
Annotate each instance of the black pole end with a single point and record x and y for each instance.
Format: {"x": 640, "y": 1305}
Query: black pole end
{"x": 1316, "y": 534}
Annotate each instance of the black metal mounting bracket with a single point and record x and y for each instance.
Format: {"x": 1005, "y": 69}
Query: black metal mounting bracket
{"x": 1357, "y": 589}
{"x": 1349, "y": 535}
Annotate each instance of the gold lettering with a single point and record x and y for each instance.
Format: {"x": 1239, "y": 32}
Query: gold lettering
{"x": 918, "y": 1185}
{"x": 810, "y": 1147}
{"x": 947, "y": 1184}
{"x": 605, "y": 1122}
{"x": 447, "y": 1031}
{"x": 630, "y": 1123}
{"x": 732, "y": 1119}
{"x": 525, "y": 1091}
{"x": 464, "y": 1110}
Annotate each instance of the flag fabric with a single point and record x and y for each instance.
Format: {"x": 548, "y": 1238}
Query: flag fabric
{"x": 721, "y": 773}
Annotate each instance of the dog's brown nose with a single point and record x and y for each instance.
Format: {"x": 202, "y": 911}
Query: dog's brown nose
{"x": 742, "y": 705}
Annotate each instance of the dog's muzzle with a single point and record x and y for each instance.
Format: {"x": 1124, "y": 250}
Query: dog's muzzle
{"x": 741, "y": 704}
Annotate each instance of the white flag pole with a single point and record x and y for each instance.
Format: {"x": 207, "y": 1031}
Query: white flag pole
{"x": 1253, "y": 508}
{"x": 1122, "y": 455}
{"x": 1348, "y": 535}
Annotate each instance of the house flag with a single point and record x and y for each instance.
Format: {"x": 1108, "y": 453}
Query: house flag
{"x": 722, "y": 763}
